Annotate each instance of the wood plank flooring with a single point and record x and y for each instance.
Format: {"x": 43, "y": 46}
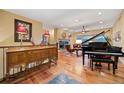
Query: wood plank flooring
{"x": 72, "y": 66}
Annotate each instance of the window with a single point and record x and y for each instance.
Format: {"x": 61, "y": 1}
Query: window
{"x": 100, "y": 38}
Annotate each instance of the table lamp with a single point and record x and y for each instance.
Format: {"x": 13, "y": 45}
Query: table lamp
{"x": 78, "y": 41}
{"x": 46, "y": 34}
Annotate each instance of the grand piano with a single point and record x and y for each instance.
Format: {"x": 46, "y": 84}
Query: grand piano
{"x": 101, "y": 48}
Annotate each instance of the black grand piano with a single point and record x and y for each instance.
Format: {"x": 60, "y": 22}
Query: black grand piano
{"x": 101, "y": 48}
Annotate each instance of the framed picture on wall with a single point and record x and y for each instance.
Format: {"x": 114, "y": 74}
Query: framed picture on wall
{"x": 117, "y": 36}
{"x": 23, "y": 31}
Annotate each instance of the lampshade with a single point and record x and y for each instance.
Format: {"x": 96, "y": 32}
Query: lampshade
{"x": 46, "y": 33}
{"x": 78, "y": 41}
{"x": 21, "y": 29}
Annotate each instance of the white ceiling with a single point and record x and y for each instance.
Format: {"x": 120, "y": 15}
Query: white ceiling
{"x": 72, "y": 19}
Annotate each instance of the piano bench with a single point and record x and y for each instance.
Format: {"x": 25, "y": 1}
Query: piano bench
{"x": 109, "y": 61}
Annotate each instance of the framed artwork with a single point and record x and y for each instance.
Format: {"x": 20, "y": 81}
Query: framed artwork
{"x": 27, "y": 33}
{"x": 63, "y": 35}
{"x": 117, "y": 36}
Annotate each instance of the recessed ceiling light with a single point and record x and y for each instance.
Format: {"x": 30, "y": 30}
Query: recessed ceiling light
{"x": 76, "y": 20}
{"x": 99, "y": 13}
{"x": 61, "y": 25}
{"x": 100, "y": 22}
{"x": 108, "y": 25}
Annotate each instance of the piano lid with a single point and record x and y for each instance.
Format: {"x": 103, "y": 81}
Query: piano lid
{"x": 101, "y": 33}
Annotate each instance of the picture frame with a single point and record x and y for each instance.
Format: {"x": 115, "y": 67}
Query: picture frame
{"x": 27, "y": 36}
{"x": 117, "y": 36}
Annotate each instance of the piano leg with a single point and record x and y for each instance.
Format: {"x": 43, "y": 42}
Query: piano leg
{"x": 114, "y": 68}
{"x": 116, "y": 62}
{"x": 83, "y": 57}
{"x": 88, "y": 56}
{"x": 77, "y": 52}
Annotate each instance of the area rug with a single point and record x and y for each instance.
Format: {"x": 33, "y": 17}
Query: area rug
{"x": 62, "y": 78}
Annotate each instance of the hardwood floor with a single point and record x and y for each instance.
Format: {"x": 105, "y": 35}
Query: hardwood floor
{"x": 72, "y": 66}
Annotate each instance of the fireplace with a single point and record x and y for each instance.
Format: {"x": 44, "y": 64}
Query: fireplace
{"x": 63, "y": 43}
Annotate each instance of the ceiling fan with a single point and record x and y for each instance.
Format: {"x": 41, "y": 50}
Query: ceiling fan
{"x": 84, "y": 30}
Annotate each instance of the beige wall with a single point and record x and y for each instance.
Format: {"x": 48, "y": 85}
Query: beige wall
{"x": 53, "y": 36}
{"x": 93, "y": 33}
{"x": 119, "y": 26}
{"x": 7, "y": 28}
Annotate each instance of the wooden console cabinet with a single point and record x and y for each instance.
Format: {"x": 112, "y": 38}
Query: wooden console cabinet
{"x": 22, "y": 57}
